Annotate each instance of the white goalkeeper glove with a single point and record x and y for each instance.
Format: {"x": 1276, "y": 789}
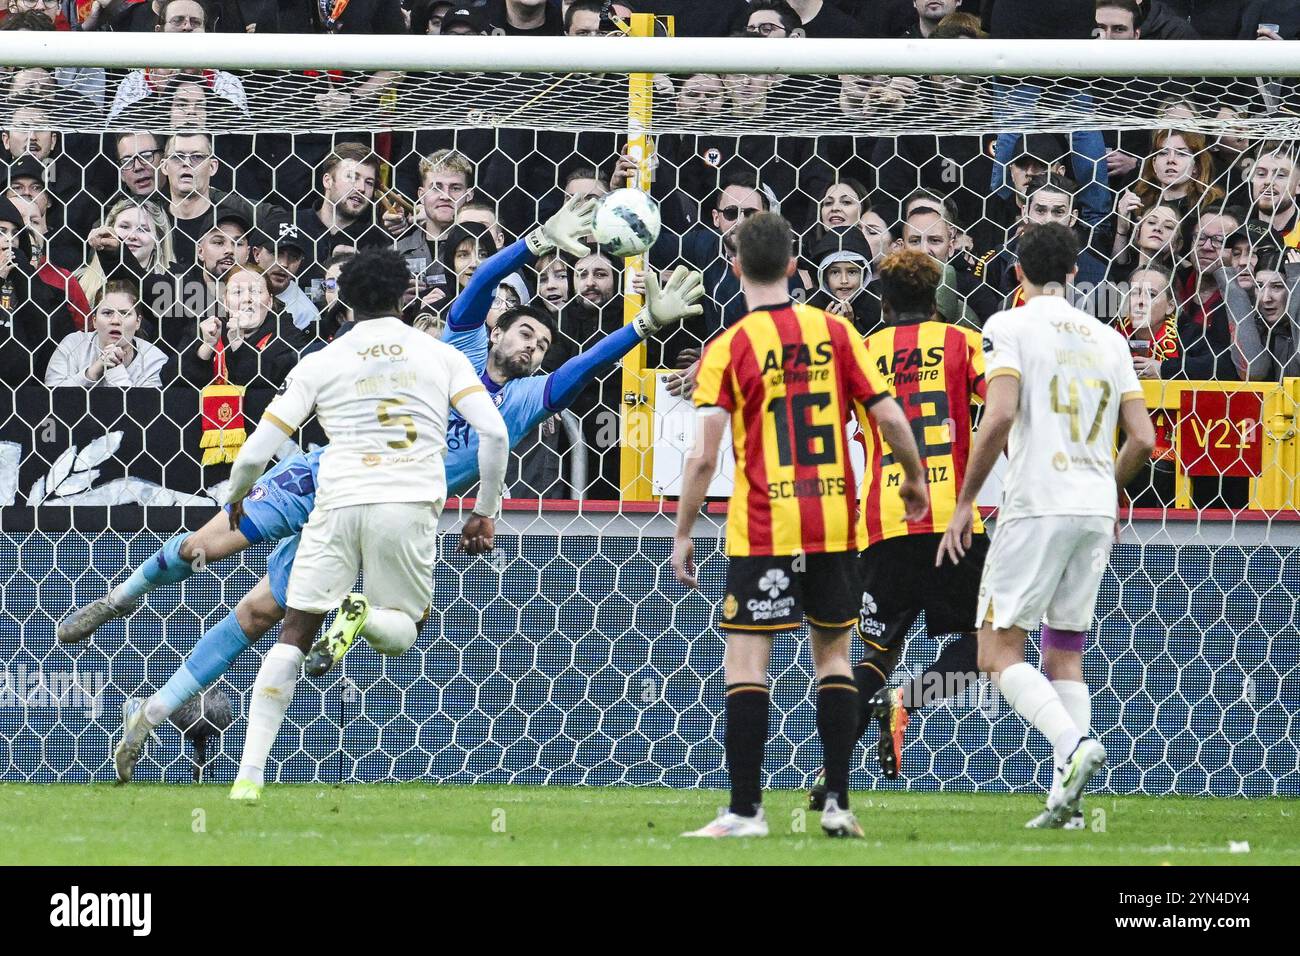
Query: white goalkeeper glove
{"x": 565, "y": 230}
{"x": 672, "y": 303}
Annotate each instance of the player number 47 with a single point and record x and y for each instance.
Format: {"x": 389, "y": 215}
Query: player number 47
{"x": 1073, "y": 408}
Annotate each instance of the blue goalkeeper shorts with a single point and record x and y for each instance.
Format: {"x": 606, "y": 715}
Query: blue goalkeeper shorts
{"x": 279, "y": 504}
{"x": 278, "y": 568}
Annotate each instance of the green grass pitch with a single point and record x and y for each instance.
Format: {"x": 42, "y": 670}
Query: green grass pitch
{"x": 423, "y": 824}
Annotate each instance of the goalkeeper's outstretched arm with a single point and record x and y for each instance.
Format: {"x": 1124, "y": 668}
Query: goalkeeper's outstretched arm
{"x": 665, "y": 307}
{"x": 564, "y": 230}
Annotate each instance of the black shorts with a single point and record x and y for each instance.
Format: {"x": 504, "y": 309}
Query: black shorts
{"x": 768, "y": 594}
{"x": 899, "y": 581}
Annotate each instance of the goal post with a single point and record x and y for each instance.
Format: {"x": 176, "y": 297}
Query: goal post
{"x": 570, "y": 655}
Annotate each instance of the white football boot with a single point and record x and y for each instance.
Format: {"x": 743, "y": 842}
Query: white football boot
{"x": 730, "y": 824}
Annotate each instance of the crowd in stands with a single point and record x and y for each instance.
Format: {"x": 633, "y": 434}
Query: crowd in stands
{"x": 146, "y": 259}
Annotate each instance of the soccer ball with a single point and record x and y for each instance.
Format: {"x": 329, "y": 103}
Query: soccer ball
{"x": 627, "y": 222}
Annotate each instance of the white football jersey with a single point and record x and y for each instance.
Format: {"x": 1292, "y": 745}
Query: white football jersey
{"x": 1074, "y": 372}
{"x": 382, "y": 394}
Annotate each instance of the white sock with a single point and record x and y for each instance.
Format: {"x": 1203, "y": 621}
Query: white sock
{"x": 1033, "y": 697}
{"x": 156, "y": 710}
{"x": 1078, "y": 704}
{"x": 272, "y": 694}
{"x": 388, "y": 631}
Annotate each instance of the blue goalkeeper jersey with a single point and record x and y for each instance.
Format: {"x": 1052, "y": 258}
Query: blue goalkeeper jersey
{"x": 279, "y": 504}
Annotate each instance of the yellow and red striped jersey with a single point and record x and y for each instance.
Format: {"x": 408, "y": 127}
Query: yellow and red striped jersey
{"x": 936, "y": 370}
{"x": 791, "y": 377}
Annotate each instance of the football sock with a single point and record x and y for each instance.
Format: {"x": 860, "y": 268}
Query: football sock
{"x": 1078, "y": 704}
{"x": 869, "y": 680}
{"x": 388, "y": 631}
{"x": 746, "y": 737}
{"x": 956, "y": 666}
{"x": 837, "y": 719}
{"x": 164, "y": 566}
{"x": 1032, "y": 696}
{"x": 211, "y": 657}
{"x": 272, "y": 694}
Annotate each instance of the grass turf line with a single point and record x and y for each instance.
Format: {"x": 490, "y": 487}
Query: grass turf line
{"x": 423, "y": 824}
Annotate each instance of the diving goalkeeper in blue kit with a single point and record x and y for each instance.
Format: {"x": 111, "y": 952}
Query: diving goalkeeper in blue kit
{"x": 279, "y": 504}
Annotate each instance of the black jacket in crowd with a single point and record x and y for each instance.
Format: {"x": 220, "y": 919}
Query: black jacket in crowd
{"x": 34, "y": 313}
{"x": 262, "y": 360}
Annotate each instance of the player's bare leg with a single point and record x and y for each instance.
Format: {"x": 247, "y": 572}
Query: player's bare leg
{"x": 178, "y": 558}
{"x": 1031, "y": 694}
{"x": 745, "y": 666}
{"x": 255, "y": 614}
{"x": 272, "y": 694}
{"x": 837, "y": 723}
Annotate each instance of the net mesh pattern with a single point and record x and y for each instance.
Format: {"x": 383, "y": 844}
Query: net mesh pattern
{"x": 572, "y": 657}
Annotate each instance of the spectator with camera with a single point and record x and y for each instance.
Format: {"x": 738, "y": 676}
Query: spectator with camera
{"x": 111, "y": 352}
{"x": 38, "y": 307}
{"x": 1148, "y": 318}
{"x": 587, "y": 18}
{"x": 52, "y": 240}
{"x": 335, "y": 316}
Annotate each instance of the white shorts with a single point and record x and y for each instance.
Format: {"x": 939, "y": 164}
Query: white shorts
{"x": 395, "y": 543}
{"x": 1047, "y": 568}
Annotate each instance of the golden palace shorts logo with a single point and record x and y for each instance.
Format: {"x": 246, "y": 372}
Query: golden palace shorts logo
{"x": 1061, "y": 461}
{"x": 370, "y": 460}
{"x": 730, "y": 606}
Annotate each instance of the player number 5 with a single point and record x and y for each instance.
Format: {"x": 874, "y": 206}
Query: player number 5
{"x": 389, "y": 420}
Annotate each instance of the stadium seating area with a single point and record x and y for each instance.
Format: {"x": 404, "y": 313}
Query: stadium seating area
{"x": 174, "y": 256}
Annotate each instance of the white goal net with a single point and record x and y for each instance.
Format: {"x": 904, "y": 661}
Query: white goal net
{"x": 159, "y": 188}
